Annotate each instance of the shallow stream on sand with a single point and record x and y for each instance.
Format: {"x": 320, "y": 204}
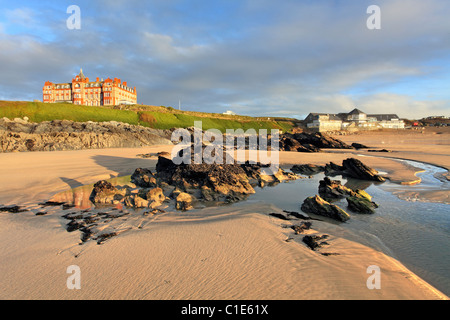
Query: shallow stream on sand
{"x": 414, "y": 232}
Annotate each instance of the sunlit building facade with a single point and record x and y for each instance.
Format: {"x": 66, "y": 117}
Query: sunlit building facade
{"x": 81, "y": 91}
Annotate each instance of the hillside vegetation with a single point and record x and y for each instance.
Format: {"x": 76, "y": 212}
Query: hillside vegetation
{"x": 147, "y": 116}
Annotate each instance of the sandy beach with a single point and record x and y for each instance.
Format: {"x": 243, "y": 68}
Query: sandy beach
{"x": 231, "y": 252}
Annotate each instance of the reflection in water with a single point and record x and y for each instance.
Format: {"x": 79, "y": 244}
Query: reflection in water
{"x": 79, "y": 196}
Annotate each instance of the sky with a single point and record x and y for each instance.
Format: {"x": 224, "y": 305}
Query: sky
{"x": 254, "y": 57}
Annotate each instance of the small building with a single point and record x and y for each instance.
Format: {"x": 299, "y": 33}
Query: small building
{"x": 92, "y": 93}
{"x": 354, "y": 120}
{"x": 230, "y": 113}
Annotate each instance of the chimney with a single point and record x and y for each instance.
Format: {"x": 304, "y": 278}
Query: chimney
{"x": 97, "y": 79}
{"x": 125, "y": 83}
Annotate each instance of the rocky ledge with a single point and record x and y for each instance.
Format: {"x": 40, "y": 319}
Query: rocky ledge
{"x": 184, "y": 185}
{"x": 20, "y": 135}
{"x": 359, "y": 201}
{"x": 310, "y": 142}
{"x": 350, "y": 167}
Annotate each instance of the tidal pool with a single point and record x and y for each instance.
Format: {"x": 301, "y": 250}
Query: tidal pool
{"x": 414, "y": 232}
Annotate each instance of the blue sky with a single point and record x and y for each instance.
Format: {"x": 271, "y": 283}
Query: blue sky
{"x": 254, "y": 57}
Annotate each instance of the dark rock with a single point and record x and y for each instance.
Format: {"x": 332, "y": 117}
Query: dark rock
{"x": 308, "y": 147}
{"x": 297, "y": 215}
{"x": 288, "y": 143}
{"x": 105, "y": 236}
{"x": 51, "y": 203}
{"x": 315, "y": 242}
{"x": 317, "y": 205}
{"x": 253, "y": 171}
{"x": 307, "y": 169}
{"x": 333, "y": 169}
{"x": 358, "y": 201}
{"x": 12, "y": 209}
{"x": 143, "y": 178}
{"x": 333, "y": 189}
{"x": 235, "y": 197}
{"x": 353, "y": 168}
{"x": 356, "y": 169}
{"x": 320, "y": 140}
{"x": 165, "y": 169}
{"x": 223, "y": 179}
{"x": 75, "y": 225}
{"x": 207, "y": 194}
{"x": 361, "y": 205}
{"x": 382, "y": 150}
{"x": 156, "y": 197}
{"x": 309, "y": 142}
{"x": 298, "y": 229}
{"x": 73, "y": 216}
{"x": 184, "y": 202}
{"x": 359, "y": 146}
{"x": 29, "y": 144}
{"x": 103, "y": 192}
{"x": 279, "y": 216}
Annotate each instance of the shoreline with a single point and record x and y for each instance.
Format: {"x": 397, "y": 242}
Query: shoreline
{"x": 263, "y": 232}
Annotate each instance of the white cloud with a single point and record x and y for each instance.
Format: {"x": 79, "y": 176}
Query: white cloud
{"x": 403, "y": 105}
{"x": 20, "y": 16}
{"x": 289, "y": 58}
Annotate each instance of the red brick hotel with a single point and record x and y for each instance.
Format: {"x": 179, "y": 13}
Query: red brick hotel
{"x": 82, "y": 91}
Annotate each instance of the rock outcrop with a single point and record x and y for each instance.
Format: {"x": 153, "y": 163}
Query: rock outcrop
{"x": 358, "y": 200}
{"x": 184, "y": 201}
{"x": 307, "y": 169}
{"x": 315, "y": 242}
{"x": 317, "y": 205}
{"x": 218, "y": 182}
{"x": 20, "y": 135}
{"x": 310, "y": 142}
{"x": 350, "y": 167}
{"x": 333, "y": 189}
{"x": 143, "y": 178}
{"x": 361, "y": 204}
{"x": 105, "y": 193}
{"x": 356, "y": 169}
{"x": 359, "y": 146}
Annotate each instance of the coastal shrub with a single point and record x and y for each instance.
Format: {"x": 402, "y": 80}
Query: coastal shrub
{"x": 147, "y": 118}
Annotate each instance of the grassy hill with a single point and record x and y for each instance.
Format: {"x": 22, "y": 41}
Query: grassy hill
{"x": 148, "y": 116}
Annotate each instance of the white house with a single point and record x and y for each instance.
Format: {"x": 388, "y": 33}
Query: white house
{"x": 354, "y": 120}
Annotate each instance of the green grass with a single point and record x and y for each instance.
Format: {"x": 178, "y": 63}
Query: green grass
{"x": 180, "y": 120}
{"x": 38, "y": 112}
{"x": 158, "y": 117}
